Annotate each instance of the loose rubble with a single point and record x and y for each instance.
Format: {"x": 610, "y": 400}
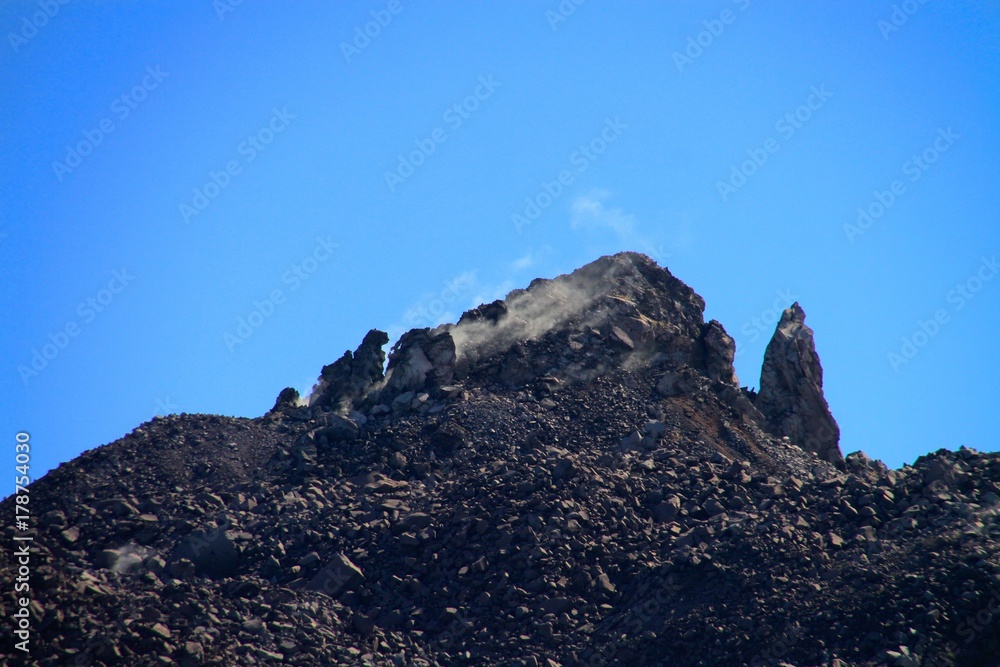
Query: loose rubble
{"x": 594, "y": 491}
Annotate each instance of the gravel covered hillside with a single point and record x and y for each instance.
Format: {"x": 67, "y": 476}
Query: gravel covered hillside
{"x": 572, "y": 476}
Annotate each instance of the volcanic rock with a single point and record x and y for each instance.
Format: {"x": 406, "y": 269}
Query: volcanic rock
{"x": 568, "y": 477}
{"x": 422, "y": 359}
{"x": 353, "y": 375}
{"x": 791, "y": 389}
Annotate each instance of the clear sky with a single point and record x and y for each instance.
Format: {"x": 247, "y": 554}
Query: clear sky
{"x": 202, "y": 203}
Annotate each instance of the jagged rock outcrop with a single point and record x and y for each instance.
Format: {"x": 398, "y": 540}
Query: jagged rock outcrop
{"x": 570, "y": 477}
{"x": 353, "y": 375}
{"x": 720, "y": 351}
{"x": 622, "y": 311}
{"x": 287, "y": 399}
{"x": 791, "y": 389}
{"x": 423, "y": 358}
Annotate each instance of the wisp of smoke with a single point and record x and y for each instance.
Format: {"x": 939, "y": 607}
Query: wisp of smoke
{"x": 129, "y": 557}
{"x": 531, "y": 313}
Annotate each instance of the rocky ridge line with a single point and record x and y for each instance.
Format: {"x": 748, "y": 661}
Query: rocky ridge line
{"x": 594, "y": 491}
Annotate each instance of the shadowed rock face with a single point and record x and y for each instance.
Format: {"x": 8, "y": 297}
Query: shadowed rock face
{"x": 353, "y": 375}
{"x": 791, "y": 389}
{"x": 421, "y": 358}
{"x": 720, "y": 351}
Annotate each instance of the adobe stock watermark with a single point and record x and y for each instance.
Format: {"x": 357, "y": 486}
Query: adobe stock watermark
{"x": 165, "y": 406}
{"x": 223, "y": 7}
{"x": 363, "y": 35}
{"x": 454, "y": 116}
{"x": 294, "y": 277}
{"x": 661, "y": 252}
{"x": 901, "y": 13}
{"x": 579, "y": 161}
{"x": 122, "y": 107}
{"x": 635, "y": 619}
{"x": 87, "y": 311}
{"x": 957, "y": 298}
{"x": 428, "y": 312}
{"x": 697, "y": 44}
{"x": 30, "y": 25}
{"x": 781, "y": 646}
{"x": 23, "y": 524}
{"x": 767, "y": 319}
{"x": 973, "y": 625}
{"x": 786, "y": 127}
{"x": 459, "y": 624}
{"x": 561, "y": 13}
{"x": 913, "y": 169}
{"x": 248, "y": 149}
{"x": 969, "y": 629}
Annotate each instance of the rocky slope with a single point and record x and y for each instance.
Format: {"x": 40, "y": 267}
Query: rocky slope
{"x": 571, "y": 476}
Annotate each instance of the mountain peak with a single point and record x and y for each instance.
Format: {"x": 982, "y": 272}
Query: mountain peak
{"x": 570, "y": 475}
{"x": 619, "y": 312}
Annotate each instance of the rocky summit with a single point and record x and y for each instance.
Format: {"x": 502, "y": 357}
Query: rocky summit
{"x": 570, "y": 476}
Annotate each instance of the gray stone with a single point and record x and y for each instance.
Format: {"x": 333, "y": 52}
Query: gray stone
{"x": 720, "y": 351}
{"x": 211, "y": 551}
{"x": 352, "y": 376}
{"x": 791, "y": 397}
{"x": 339, "y": 576}
{"x": 421, "y": 358}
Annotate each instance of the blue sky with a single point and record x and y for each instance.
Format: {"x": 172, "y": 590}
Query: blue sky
{"x": 202, "y": 203}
